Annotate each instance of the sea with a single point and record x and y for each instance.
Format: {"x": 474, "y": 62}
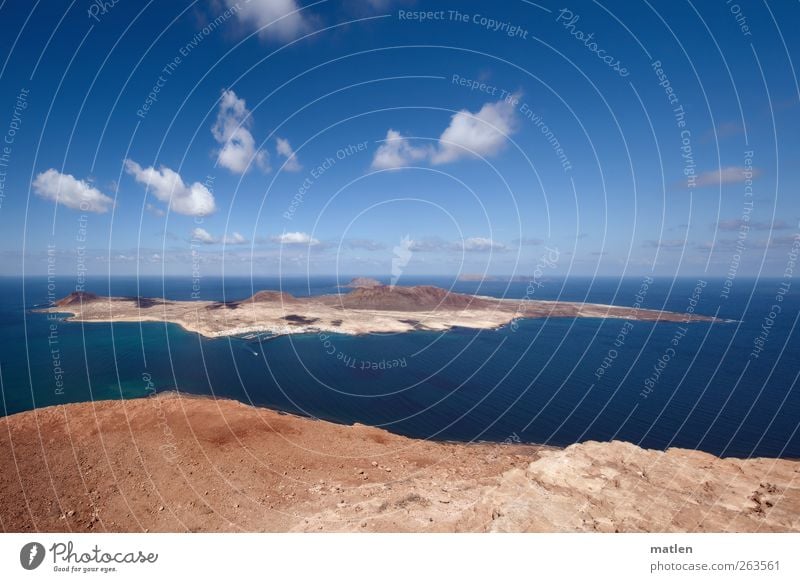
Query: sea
{"x": 729, "y": 387}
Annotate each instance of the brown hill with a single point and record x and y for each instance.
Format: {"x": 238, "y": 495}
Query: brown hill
{"x": 272, "y": 297}
{"x": 418, "y": 298}
{"x": 77, "y": 298}
{"x": 197, "y": 464}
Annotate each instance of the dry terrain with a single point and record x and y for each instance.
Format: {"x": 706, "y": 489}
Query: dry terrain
{"x": 368, "y": 308}
{"x": 173, "y": 463}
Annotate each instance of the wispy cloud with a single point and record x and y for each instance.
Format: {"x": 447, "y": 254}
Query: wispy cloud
{"x": 732, "y": 244}
{"x": 202, "y": 236}
{"x": 727, "y": 175}
{"x": 379, "y": 4}
{"x": 527, "y": 242}
{"x": 284, "y": 149}
{"x": 785, "y": 241}
{"x": 724, "y": 130}
{"x": 68, "y": 191}
{"x": 364, "y": 244}
{"x": 478, "y": 244}
{"x": 474, "y": 244}
{"x": 295, "y": 238}
{"x": 427, "y": 245}
{"x": 737, "y": 224}
{"x": 674, "y": 243}
{"x": 154, "y": 210}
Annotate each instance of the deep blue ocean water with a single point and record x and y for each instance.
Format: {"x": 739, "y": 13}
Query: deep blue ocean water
{"x": 664, "y": 384}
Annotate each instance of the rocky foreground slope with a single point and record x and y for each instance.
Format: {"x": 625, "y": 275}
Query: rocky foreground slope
{"x": 195, "y": 464}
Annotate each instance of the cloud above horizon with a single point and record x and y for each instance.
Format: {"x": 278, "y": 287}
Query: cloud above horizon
{"x": 733, "y": 244}
{"x": 202, "y": 236}
{"x": 724, "y": 130}
{"x": 232, "y": 131}
{"x": 483, "y": 133}
{"x": 274, "y": 19}
{"x": 364, "y": 244}
{"x": 674, "y": 243}
{"x": 68, "y": 191}
{"x": 397, "y": 152}
{"x": 527, "y": 242}
{"x": 474, "y": 244}
{"x": 295, "y": 238}
{"x": 737, "y": 224}
{"x": 727, "y": 175}
{"x": 481, "y": 244}
{"x": 168, "y": 186}
{"x": 284, "y": 148}
{"x": 154, "y": 210}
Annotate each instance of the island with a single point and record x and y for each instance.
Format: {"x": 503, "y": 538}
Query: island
{"x": 370, "y": 307}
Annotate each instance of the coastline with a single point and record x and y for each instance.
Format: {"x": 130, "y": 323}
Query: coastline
{"x": 365, "y": 310}
{"x": 183, "y": 463}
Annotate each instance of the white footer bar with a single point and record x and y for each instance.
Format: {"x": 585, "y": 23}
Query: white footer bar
{"x": 333, "y": 557}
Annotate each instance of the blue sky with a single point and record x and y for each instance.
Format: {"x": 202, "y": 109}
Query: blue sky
{"x": 288, "y": 137}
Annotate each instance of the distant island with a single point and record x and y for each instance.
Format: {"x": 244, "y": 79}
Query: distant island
{"x": 370, "y": 307}
{"x": 363, "y": 282}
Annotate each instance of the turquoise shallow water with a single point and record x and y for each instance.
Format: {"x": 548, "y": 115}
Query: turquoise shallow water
{"x": 660, "y": 386}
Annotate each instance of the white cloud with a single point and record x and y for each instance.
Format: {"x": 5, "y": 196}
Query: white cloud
{"x": 483, "y": 133}
{"x": 481, "y": 244}
{"x": 154, "y": 210}
{"x": 284, "y": 149}
{"x": 73, "y": 193}
{"x": 276, "y": 19}
{"x": 167, "y": 186}
{"x": 397, "y": 152}
{"x": 232, "y": 132}
{"x": 234, "y": 239}
{"x": 295, "y": 238}
{"x": 728, "y": 175}
{"x": 202, "y": 236}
